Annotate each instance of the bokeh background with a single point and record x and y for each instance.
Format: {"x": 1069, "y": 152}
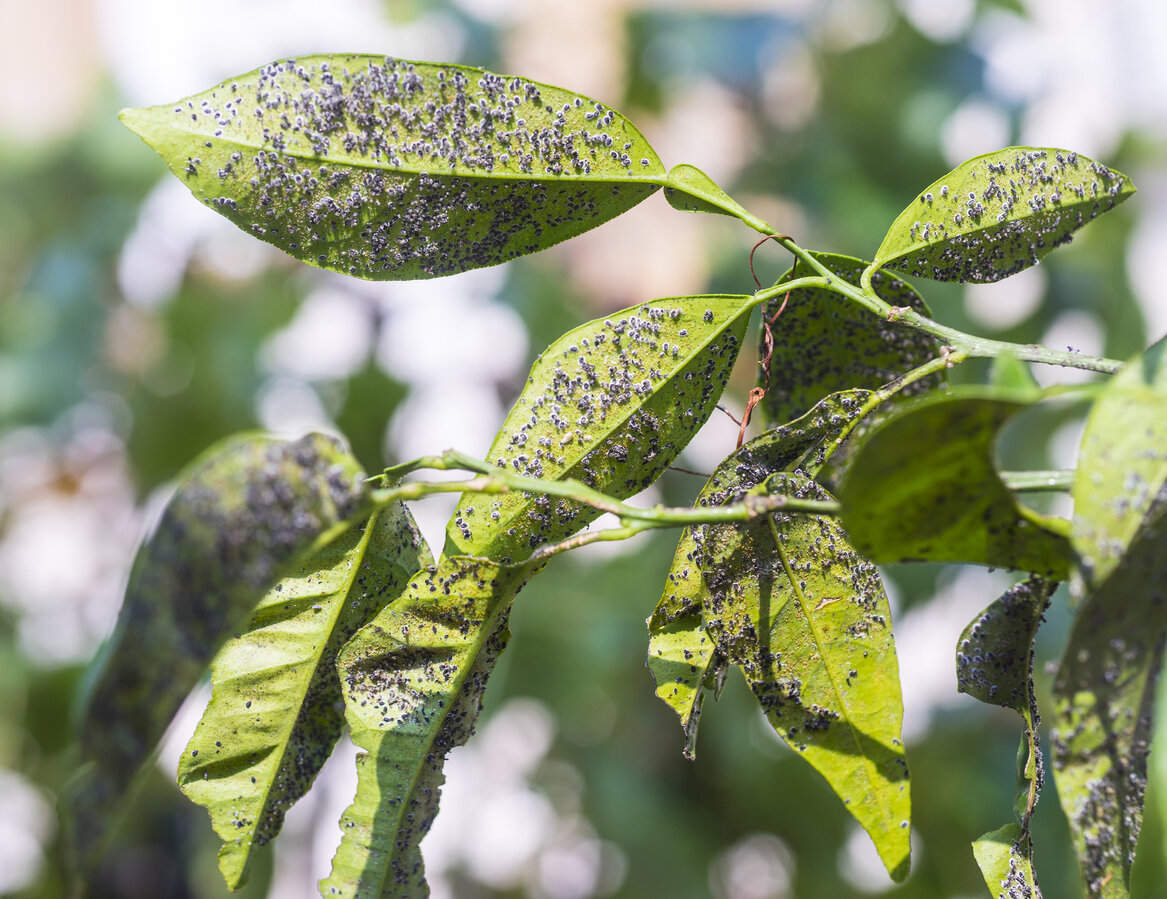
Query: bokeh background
{"x": 137, "y": 327}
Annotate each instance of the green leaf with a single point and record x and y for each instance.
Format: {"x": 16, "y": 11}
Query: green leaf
{"x": 923, "y": 486}
{"x": 1010, "y": 373}
{"x": 823, "y": 342}
{"x": 246, "y": 512}
{"x": 994, "y": 663}
{"x": 1104, "y": 692}
{"x": 1121, "y": 468}
{"x": 682, "y": 658}
{"x": 277, "y": 710}
{"x": 690, "y": 190}
{"x": 610, "y": 403}
{"x": 806, "y": 619}
{"x": 788, "y": 601}
{"x": 1000, "y": 213}
{"x": 1005, "y": 861}
{"x": 413, "y": 681}
{"x": 388, "y": 169}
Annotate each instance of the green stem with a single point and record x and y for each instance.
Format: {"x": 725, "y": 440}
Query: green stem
{"x": 495, "y": 480}
{"x": 885, "y": 393}
{"x": 1053, "y": 481}
{"x": 864, "y": 294}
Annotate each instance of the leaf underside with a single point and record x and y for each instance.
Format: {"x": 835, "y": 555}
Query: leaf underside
{"x": 681, "y": 656}
{"x": 823, "y": 343}
{"x": 785, "y": 599}
{"x": 389, "y": 169}
{"x": 1000, "y": 213}
{"x": 611, "y": 403}
{"x": 276, "y": 712}
{"x": 994, "y": 663}
{"x": 1005, "y": 861}
{"x": 413, "y": 680}
{"x": 246, "y": 511}
{"x": 923, "y": 486}
{"x": 1104, "y": 692}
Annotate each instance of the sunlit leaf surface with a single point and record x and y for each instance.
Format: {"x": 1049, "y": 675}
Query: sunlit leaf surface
{"x": 390, "y": 169}
{"x": 681, "y": 656}
{"x": 1105, "y": 689}
{"x": 413, "y": 681}
{"x": 805, "y": 618}
{"x": 823, "y": 343}
{"x": 690, "y": 190}
{"x": 610, "y": 403}
{"x": 1000, "y": 213}
{"x": 923, "y": 486}
{"x": 246, "y": 512}
{"x": 1006, "y": 864}
{"x": 277, "y": 711}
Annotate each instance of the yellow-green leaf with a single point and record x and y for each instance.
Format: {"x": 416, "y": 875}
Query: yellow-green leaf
{"x": 277, "y": 712}
{"x": 1000, "y": 213}
{"x": 388, "y": 169}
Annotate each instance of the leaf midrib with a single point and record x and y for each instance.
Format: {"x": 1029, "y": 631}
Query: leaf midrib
{"x": 500, "y": 527}
{"x": 660, "y": 179}
{"x": 285, "y": 733}
{"x": 820, "y": 646}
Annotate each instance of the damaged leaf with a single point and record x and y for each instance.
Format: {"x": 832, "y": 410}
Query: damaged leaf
{"x": 1000, "y": 213}
{"x": 610, "y": 403}
{"x": 413, "y": 680}
{"x": 823, "y": 342}
{"x": 1104, "y": 693}
{"x": 276, "y": 712}
{"x": 388, "y": 169}
{"x": 245, "y": 513}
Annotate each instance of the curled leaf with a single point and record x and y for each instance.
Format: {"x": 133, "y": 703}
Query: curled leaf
{"x": 277, "y": 712}
{"x": 785, "y": 599}
{"x": 247, "y": 511}
{"x": 923, "y": 486}
{"x": 682, "y": 658}
{"x": 1004, "y": 857}
{"x": 413, "y": 680}
{"x": 1000, "y": 213}
{"x": 994, "y": 663}
{"x": 807, "y": 621}
{"x": 388, "y": 169}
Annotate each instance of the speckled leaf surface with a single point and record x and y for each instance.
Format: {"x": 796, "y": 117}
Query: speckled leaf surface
{"x": 245, "y": 513}
{"x": 1104, "y": 692}
{"x": 610, "y": 403}
{"x": 823, "y": 343}
{"x": 277, "y": 712}
{"x": 807, "y": 621}
{"x": 1006, "y": 864}
{"x": 1000, "y": 213}
{"x": 681, "y": 656}
{"x": 923, "y": 486}
{"x": 994, "y": 663}
{"x": 413, "y": 680}
{"x": 389, "y": 169}
{"x": 1122, "y": 466}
